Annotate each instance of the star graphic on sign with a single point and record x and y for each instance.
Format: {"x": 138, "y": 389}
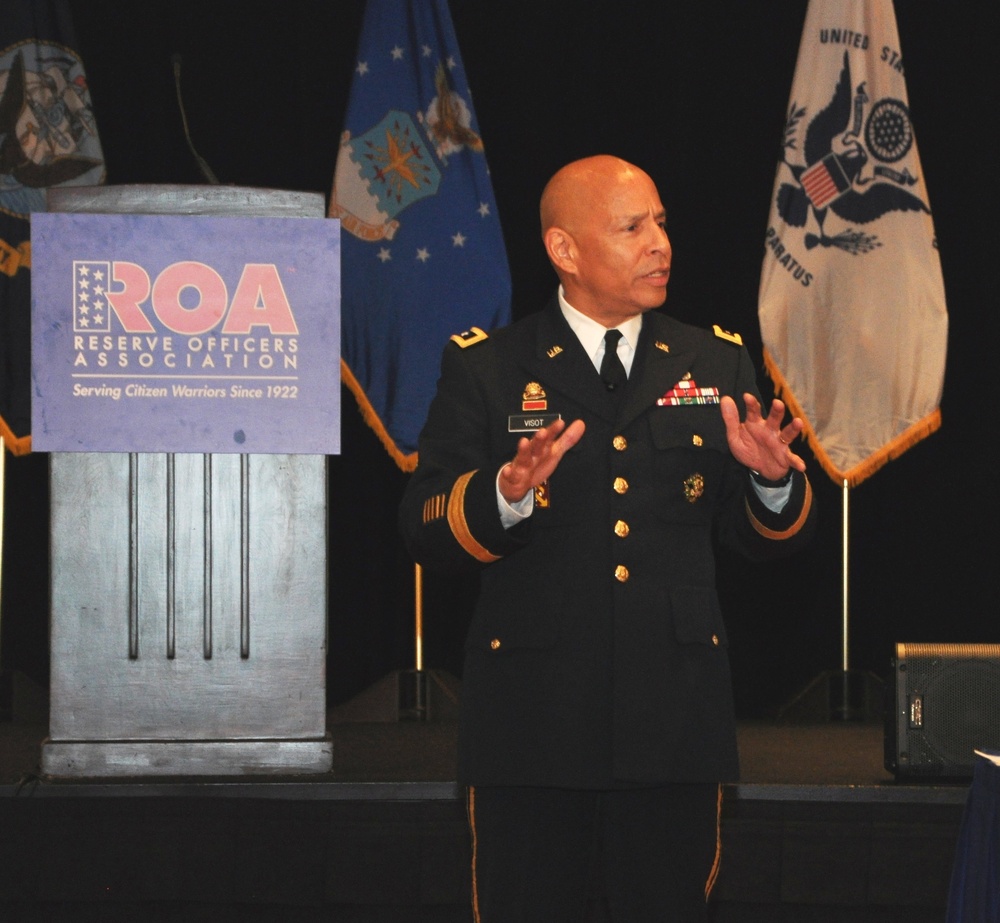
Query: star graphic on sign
{"x": 98, "y": 276}
{"x": 362, "y": 68}
{"x": 484, "y": 209}
{"x": 84, "y": 322}
{"x": 458, "y": 239}
{"x": 423, "y": 254}
{"x": 83, "y": 296}
{"x": 384, "y": 255}
{"x": 397, "y": 53}
{"x": 426, "y": 50}
{"x": 98, "y": 306}
{"x": 84, "y": 283}
{"x": 451, "y": 62}
{"x": 83, "y": 308}
{"x": 84, "y": 270}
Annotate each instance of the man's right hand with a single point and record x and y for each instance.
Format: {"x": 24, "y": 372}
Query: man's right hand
{"x": 537, "y": 458}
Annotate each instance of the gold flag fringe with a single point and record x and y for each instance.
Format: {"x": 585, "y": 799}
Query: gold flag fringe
{"x": 407, "y": 463}
{"x": 866, "y": 468}
{"x": 18, "y": 445}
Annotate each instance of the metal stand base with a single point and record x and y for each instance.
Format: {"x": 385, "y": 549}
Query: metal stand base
{"x": 404, "y": 695}
{"x": 838, "y": 695}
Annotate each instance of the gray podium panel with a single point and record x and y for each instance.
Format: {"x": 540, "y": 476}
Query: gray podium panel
{"x": 188, "y": 624}
{"x": 188, "y": 632}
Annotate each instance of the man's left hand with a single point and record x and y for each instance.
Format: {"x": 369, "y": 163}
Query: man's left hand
{"x": 759, "y": 442}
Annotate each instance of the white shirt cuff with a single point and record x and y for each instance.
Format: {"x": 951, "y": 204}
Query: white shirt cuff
{"x": 513, "y": 513}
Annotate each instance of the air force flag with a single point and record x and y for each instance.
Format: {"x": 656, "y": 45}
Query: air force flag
{"x": 422, "y": 251}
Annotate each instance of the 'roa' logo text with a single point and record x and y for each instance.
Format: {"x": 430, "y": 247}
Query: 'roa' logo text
{"x": 188, "y": 298}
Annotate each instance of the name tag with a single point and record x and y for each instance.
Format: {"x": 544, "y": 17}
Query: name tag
{"x": 529, "y": 422}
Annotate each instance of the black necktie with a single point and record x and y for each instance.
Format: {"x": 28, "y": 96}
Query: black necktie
{"x": 612, "y": 371}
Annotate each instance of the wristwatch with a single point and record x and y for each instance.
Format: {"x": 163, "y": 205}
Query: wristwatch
{"x": 764, "y": 482}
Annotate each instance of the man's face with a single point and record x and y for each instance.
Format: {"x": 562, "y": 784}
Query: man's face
{"x": 623, "y": 252}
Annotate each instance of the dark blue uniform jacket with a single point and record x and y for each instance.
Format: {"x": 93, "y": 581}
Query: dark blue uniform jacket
{"x": 597, "y": 654}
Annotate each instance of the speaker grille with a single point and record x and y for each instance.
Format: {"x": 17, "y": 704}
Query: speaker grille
{"x": 947, "y": 705}
{"x": 962, "y": 706}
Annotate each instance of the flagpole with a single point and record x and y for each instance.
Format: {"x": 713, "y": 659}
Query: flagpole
{"x": 411, "y": 687}
{"x": 820, "y": 275}
{"x": 418, "y": 617}
{"x": 845, "y": 581}
{"x": 466, "y": 286}
{"x": 3, "y": 462}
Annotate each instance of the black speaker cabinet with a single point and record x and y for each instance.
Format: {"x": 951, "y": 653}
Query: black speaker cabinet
{"x": 942, "y": 705}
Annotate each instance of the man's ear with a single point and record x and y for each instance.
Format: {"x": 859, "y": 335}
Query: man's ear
{"x": 561, "y": 249}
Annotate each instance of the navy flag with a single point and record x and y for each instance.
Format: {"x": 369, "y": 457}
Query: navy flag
{"x": 47, "y": 138}
{"x": 422, "y": 250}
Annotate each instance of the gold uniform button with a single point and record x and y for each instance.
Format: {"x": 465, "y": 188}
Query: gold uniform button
{"x": 620, "y": 443}
{"x": 621, "y": 528}
{"x": 495, "y": 644}
{"x": 715, "y": 640}
{"x": 697, "y": 440}
{"x": 621, "y": 573}
{"x": 620, "y": 486}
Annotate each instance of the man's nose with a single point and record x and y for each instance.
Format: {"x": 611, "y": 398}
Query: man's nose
{"x": 660, "y": 241}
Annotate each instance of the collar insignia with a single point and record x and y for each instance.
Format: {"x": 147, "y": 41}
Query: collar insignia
{"x": 470, "y": 337}
{"x": 726, "y": 335}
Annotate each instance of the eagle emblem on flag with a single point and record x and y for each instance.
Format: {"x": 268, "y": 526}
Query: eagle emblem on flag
{"x": 852, "y": 151}
{"x": 380, "y": 173}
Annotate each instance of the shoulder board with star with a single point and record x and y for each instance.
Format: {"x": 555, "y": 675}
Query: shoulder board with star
{"x": 733, "y": 338}
{"x": 470, "y": 337}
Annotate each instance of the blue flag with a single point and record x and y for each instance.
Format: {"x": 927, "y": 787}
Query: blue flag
{"x": 422, "y": 250}
{"x": 47, "y": 138}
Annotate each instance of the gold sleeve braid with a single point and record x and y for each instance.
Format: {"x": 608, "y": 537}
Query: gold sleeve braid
{"x": 459, "y": 525}
{"x": 793, "y": 529}
{"x": 434, "y": 508}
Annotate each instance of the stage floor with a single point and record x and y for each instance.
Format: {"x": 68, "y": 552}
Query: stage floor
{"x": 816, "y": 830}
{"x": 415, "y": 760}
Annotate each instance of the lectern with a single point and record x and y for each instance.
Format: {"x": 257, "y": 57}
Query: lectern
{"x": 188, "y": 622}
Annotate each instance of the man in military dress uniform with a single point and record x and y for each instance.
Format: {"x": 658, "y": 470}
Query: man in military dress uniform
{"x": 588, "y": 481}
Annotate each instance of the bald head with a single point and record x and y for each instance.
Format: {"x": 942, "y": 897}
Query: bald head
{"x": 604, "y": 230}
{"x": 580, "y": 187}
